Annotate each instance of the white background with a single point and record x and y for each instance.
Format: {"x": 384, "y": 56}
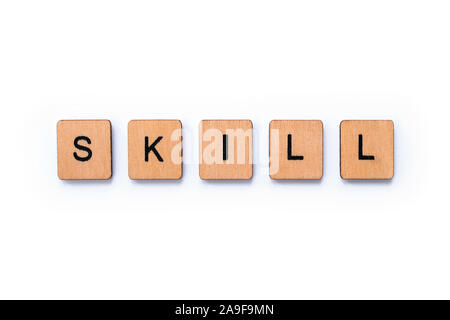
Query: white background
{"x": 194, "y": 60}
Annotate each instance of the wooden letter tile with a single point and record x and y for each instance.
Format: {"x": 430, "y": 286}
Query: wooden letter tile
{"x": 367, "y": 149}
{"x": 296, "y": 149}
{"x": 84, "y": 149}
{"x": 155, "y": 150}
{"x": 226, "y": 149}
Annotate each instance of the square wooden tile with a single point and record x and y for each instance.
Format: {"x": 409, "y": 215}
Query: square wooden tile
{"x": 367, "y": 149}
{"x": 296, "y": 149}
{"x": 226, "y": 149}
{"x": 84, "y": 149}
{"x": 155, "y": 150}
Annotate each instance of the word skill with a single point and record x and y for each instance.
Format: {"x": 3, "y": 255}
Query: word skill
{"x": 155, "y": 149}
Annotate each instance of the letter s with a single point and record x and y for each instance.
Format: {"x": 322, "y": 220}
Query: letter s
{"x": 83, "y": 148}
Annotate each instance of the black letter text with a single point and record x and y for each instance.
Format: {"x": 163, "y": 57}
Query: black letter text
{"x": 289, "y": 150}
{"x": 361, "y": 156}
{"x": 152, "y": 148}
{"x": 83, "y": 148}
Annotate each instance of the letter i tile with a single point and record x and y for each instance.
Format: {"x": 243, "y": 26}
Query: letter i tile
{"x": 226, "y": 150}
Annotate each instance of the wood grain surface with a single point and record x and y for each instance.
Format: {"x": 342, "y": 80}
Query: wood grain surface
{"x": 306, "y": 156}
{"x": 146, "y": 164}
{"x": 376, "y": 138}
{"x": 238, "y": 162}
{"x": 84, "y": 149}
